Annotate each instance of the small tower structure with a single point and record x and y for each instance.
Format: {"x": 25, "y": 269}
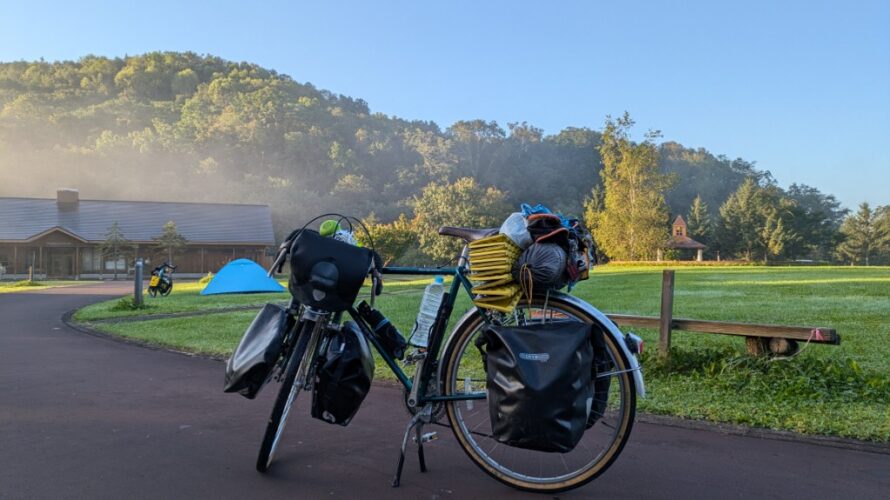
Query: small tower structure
{"x": 680, "y": 240}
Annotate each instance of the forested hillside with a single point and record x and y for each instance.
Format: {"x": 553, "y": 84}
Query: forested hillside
{"x": 180, "y": 126}
{"x": 183, "y": 126}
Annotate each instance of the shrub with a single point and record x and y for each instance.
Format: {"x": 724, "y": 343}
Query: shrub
{"x": 128, "y": 304}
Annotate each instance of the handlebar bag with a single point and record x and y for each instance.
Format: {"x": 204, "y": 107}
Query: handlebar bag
{"x": 343, "y": 377}
{"x": 326, "y": 273}
{"x": 538, "y": 380}
{"x": 250, "y": 367}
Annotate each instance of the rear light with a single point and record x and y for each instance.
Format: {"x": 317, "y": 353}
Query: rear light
{"x": 634, "y": 343}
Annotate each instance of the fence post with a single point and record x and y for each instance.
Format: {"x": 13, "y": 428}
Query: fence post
{"x": 137, "y": 285}
{"x": 667, "y": 314}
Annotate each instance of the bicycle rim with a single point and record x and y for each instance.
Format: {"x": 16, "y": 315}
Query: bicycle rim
{"x": 526, "y": 469}
{"x": 288, "y": 393}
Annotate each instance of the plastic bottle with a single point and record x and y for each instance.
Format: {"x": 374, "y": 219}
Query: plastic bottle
{"x": 429, "y": 308}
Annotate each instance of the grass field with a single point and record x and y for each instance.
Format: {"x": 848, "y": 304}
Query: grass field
{"x": 184, "y": 298}
{"x": 26, "y": 286}
{"x": 841, "y": 390}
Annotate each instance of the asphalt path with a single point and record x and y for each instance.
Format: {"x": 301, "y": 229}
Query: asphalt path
{"x": 87, "y": 417}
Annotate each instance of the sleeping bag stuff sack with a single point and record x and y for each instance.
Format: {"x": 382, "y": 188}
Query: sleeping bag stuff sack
{"x": 250, "y": 367}
{"x": 538, "y": 379}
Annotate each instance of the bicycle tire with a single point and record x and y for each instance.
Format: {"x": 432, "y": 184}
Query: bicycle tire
{"x": 287, "y": 395}
{"x": 152, "y": 291}
{"x": 467, "y": 437}
{"x": 167, "y": 290}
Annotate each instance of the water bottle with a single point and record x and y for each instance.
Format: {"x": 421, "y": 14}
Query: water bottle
{"x": 429, "y": 307}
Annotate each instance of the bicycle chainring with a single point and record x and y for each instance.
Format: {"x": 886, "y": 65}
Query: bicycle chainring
{"x": 438, "y": 408}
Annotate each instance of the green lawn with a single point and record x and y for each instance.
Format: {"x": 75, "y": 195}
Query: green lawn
{"x": 185, "y": 297}
{"x": 25, "y": 286}
{"x": 830, "y": 390}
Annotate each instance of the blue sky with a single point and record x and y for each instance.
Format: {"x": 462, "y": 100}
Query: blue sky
{"x": 802, "y": 88}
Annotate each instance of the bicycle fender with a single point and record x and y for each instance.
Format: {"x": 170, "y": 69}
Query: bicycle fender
{"x": 610, "y": 327}
{"x": 613, "y": 330}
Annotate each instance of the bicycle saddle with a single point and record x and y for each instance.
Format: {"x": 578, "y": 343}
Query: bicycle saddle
{"x": 468, "y": 234}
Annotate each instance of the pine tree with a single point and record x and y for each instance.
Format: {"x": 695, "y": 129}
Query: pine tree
{"x": 753, "y": 220}
{"x": 699, "y": 224}
{"x": 115, "y": 246}
{"x": 633, "y": 222}
{"x": 170, "y": 242}
{"x": 866, "y": 234}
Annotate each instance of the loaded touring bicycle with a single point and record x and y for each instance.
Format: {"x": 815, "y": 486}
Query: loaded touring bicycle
{"x": 550, "y": 434}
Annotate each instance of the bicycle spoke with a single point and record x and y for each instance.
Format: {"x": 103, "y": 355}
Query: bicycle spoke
{"x": 517, "y": 466}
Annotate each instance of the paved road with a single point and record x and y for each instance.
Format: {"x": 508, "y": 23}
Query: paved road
{"x": 87, "y": 417}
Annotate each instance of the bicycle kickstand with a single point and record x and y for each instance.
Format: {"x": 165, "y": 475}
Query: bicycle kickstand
{"x": 416, "y": 422}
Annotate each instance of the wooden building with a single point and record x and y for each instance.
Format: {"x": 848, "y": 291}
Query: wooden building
{"x": 59, "y": 238}
{"x": 681, "y": 241}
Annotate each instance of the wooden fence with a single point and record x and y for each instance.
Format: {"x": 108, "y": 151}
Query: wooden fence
{"x": 760, "y": 339}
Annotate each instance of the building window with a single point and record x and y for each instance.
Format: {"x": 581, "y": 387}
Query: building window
{"x": 110, "y": 265}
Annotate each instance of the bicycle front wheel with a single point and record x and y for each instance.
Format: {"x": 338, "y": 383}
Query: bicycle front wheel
{"x": 609, "y": 426}
{"x": 290, "y": 389}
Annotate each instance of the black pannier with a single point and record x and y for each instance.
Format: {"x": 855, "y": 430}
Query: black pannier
{"x": 326, "y": 273}
{"x": 539, "y": 384}
{"x": 343, "y": 377}
{"x": 250, "y": 367}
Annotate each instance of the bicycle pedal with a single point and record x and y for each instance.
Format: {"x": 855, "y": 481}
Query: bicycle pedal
{"x": 427, "y": 437}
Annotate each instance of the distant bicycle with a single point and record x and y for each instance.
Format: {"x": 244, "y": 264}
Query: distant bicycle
{"x": 448, "y": 387}
{"x": 161, "y": 281}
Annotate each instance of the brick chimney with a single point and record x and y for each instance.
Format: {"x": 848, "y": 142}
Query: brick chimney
{"x": 67, "y": 198}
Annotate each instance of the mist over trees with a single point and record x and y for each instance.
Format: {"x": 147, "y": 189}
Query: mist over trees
{"x": 186, "y": 127}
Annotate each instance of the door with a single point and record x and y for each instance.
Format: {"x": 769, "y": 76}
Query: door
{"x": 60, "y": 263}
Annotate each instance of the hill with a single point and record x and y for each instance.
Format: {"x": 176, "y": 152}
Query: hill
{"x": 174, "y": 126}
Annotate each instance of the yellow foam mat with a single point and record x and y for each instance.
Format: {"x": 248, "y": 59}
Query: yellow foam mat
{"x": 481, "y": 286}
{"x": 501, "y": 251}
{"x": 497, "y": 291}
{"x": 498, "y": 239}
{"x": 502, "y": 304}
{"x": 491, "y": 260}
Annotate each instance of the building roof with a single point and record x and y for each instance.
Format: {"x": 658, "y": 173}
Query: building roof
{"x": 24, "y": 219}
{"x": 679, "y": 222}
{"x": 683, "y": 241}
{"x": 679, "y": 238}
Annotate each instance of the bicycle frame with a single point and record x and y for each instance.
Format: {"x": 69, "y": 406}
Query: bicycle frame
{"x": 436, "y": 336}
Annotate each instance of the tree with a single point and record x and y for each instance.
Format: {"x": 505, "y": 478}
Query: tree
{"x": 698, "y": 221}
{"x": 866, "y": 234}
{"x": 816, "y": 219}
{"x": 115, "y": 246}
{"x": 462, "y": 203}
{"x": 754, "y": 220}
{"x": 633, "y": 222}
{"x": 170, "y": 242}
{"x": 390, "y": 240}
{"x": 593, "y": 206}
{"x": 477, "y": 144}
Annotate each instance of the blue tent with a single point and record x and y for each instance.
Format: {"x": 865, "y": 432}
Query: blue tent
{"x": 241, "y": 276}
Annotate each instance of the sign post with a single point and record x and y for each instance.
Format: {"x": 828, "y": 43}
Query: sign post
{"x": 137, "y": 286}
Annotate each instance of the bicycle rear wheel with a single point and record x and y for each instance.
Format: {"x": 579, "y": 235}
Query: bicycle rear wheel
{"x": 290, "y": 389}
{"x": 614, "y": 404}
